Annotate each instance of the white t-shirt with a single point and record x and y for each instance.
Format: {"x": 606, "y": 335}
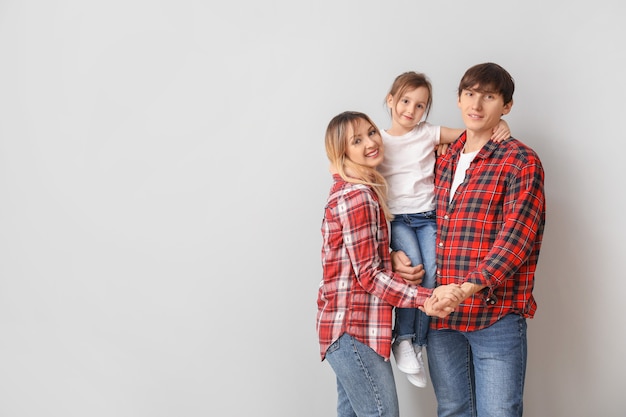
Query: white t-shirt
{"x": 465, "y": 159}
{"x": 409, "y": 168}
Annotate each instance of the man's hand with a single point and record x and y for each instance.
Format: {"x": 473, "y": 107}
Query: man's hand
{"x": 443, "y": 301}
{"x": 402, "y": 266}
{"x": 430, "y": 309}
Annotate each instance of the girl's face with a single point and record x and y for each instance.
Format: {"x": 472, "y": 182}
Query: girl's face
{"x": 407, "y": 111}
{"x": 365, "y": 146}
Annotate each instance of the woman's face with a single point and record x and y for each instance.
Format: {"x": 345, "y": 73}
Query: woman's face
{"x": 365, "y": 146}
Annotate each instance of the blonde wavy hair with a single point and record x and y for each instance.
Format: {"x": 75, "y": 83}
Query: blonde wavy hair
{"x": 336, "y": 144}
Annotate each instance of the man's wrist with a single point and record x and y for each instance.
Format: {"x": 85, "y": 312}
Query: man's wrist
{"x": 469, "y": 288}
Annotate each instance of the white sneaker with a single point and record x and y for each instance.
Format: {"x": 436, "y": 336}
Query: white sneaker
{"x": 418, "y": 378}
{"x": 406, "y": 359}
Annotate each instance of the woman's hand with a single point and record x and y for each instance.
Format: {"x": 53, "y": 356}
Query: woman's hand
{"x": 401, "y": 265}
{"x": 444, "y": 300}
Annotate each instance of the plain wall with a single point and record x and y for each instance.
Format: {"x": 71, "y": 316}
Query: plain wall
{"x": 163, "y": 176}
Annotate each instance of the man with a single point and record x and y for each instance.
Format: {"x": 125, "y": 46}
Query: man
{"x": 490, "y": 222}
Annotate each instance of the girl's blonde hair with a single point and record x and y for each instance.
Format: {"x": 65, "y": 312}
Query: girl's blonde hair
{"x": 336, "y": 145}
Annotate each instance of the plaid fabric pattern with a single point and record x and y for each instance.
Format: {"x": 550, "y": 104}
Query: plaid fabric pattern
{"x": 358, "y": 290}
{"x": 491, "y": 231}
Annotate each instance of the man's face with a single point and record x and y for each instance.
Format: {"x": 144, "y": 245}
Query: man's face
{"x": 481, "y": 110}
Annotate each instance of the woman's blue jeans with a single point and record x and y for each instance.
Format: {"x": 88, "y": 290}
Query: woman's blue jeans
{"x": 480, "y": 373}
{"x": 365, "y": 383}
{"x": 415, "y": 235}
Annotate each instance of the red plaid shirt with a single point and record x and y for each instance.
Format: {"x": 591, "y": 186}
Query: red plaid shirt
{"x": 358, "y": 291}
{"x": 491, "y": 232}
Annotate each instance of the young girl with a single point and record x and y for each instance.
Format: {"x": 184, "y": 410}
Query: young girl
{"x": 358, "y": 290}
{"x": 409, "y": 169}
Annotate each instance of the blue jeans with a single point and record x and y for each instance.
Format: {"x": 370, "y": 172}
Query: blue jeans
{"x": 415, "y": 235}
{"x": 365, "y": 384}
{"x": 480, "y": 373}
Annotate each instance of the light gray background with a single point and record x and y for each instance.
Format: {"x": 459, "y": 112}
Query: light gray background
{"x": 162, "y": 180}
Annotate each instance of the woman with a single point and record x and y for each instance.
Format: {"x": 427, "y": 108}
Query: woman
{"x": 359, "y": 290}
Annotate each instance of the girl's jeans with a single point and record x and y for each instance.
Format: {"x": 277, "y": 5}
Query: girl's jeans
{"x": 415, "y": 235}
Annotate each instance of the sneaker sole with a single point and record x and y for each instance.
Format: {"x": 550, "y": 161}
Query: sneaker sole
{"x": 417, "y": 382}
{"x": 407, "y": 370}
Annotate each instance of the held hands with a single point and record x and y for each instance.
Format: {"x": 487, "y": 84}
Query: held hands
{"x": 443, "y": 301}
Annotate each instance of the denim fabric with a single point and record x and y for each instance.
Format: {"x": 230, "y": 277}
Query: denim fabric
{"x": 365, "y": 383}
{"x": 415, "y": 235}
{"x": 480, "y": 373}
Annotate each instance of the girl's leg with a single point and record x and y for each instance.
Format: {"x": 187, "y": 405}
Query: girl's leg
{"x": 426, "y": 231}
{"x": 404, "y": 238}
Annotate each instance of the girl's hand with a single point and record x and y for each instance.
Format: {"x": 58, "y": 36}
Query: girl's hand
{"x": 441, "y": 148}
{"x": 501, "y": 132}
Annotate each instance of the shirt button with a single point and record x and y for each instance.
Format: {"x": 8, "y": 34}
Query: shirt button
{"x": 441, "y": 244}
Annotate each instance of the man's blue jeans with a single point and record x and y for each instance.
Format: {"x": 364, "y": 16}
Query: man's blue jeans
{"x": 365, "y": 384}
{"x": 415, "y": 235}
{"x": 480, "y": 373}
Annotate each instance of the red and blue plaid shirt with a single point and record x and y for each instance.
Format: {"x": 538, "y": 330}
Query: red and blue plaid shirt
{"x": 359, "y": 290}
{"x": 491, "y": 231}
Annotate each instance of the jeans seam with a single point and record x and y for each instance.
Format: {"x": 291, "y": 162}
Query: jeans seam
{"x": 369, "y": 378}
{"x": 470, "y": 386}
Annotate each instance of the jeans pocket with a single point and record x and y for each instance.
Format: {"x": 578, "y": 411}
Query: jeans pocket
{"x": 334, "y": 346}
